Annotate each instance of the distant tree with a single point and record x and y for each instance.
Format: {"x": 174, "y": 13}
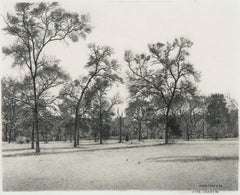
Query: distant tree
{"x": 16, "y": 109}
{"x": 102, "y": 105}
{"x": 78, "y": 96}
{"x": 189, "y": 109}
{"x": 175, "y": 127}
{"x": 49, "y": 76}
{"x": 46, "y": 124}
{"x": 138, "y": 110}
{"x": 163, "y": 73}
{"x": 232, "y": 121}
{"x": 216, "y": 114}
{"x": 36, "y": 25}
{"x": 121, "y": 122}
{"x": 232, "y": 118}
{"x": 66, "y": 112}
{"x": 10, "y": 108}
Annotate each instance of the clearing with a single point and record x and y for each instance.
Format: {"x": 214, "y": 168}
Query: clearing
{"x": 149, "y": 165}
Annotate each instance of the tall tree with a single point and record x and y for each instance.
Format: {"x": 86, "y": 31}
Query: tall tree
{"x": 163, "y": 73}
{"x": 80, "y": 90}
{"x": 36, "y": 25}
{"x": 49, "y": 76}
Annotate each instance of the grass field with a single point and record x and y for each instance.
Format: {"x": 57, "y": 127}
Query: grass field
{"x": 149, "y": 165}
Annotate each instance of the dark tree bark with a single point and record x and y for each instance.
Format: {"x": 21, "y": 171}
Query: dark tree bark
{"x": 140, "y": 131}
{"x": 10, "y": 136}
{"x": 101, "y": 126}
{"x": 6, "y": 133}
{"x": 120, "y": 129}
{"x": 78, "y": 137}
{"x": 95, "y": 135}
{"x": 36, "y": 113}
{"x": 75, "y": 128}
{"x": 32, "y": 143}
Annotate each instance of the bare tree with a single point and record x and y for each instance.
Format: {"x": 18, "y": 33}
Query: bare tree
{"x": 35, "y": 26}
{"x": 162, "y": 73}
{"x": 100, "y": 65}
{"x": 102, "y": 104}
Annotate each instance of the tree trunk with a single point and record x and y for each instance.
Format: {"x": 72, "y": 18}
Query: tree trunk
{"x": 166, "y": 125}
{"x": 46, "y": 137}
{"x": 10, "y": 136}
{"x": 203, "y": 132}
{"x": 33, "y": 129}
{"x": 140, "y": 131}
{"x": 65, "y": 137}
{"x": 36, "y": 115}
{"x": 188, "y": 136}
{"x": 95, "y": 136}
{"x": 78, "y": 137}
{"x": 5, "y": 133}
{"x": 75, "y": 129}
{"x": 120, "y": 129}
{"x": 37, "y": 130}
{"x": 101, "y": 127}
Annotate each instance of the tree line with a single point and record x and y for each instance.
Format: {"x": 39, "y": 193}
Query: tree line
{"x": 164, "y": 100}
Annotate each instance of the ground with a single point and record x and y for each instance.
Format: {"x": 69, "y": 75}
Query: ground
{"x": 149, "y": 165}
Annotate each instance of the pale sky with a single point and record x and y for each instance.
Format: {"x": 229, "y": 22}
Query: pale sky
{"x": 213, "y": 26}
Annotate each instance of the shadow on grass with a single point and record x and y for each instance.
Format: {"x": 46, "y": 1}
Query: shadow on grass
{"x": 75, "y": 150}
{"x": 16, "y": 149}
{"x": 191, "y": 158}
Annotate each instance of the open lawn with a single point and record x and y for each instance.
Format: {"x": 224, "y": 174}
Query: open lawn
{"x": 149, "y": 165}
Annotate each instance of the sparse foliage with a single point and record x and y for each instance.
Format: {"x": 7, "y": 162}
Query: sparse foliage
{"x": 34, "y": 26}
{"x": 163, "y": 73}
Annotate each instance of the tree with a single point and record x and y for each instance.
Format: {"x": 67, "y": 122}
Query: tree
{"x": 79, "y": 91}
{"x": 10, "y": 107}
{"x": 163, "y": 73}
{"x": 36, "y": 25}
{"x": 138, "y": 110}
{"x": 66, "y": 112}
{"x": 189, "y": 108}
{"x": 120, "y": 118}
{"x": 216, "y": 114}
{"x": 49, "y": 76}
{"x": 232, "y": 118}
{"x": 101, "y": 104}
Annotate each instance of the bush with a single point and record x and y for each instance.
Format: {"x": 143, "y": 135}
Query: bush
{"x": 22, "y": 140}
{"x": 27, "y": 140}
{"x": 174, "y": 127}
